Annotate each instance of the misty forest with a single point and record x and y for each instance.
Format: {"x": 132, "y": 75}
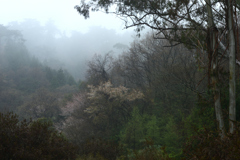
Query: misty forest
{"x": 167, "y": 91}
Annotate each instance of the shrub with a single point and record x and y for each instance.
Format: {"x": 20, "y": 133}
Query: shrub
{"x": 208, "y": 145}
{"x": 32, "y": 140}
{"x": 97, "y": 147}
{"x": 150, "y": 152}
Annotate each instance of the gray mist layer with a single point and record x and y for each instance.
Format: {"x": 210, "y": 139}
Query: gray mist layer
{"x": 73, "y": 50}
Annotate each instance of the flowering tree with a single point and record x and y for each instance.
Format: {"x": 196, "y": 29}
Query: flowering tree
{"x": 76, "y": 125}
{"x": 100, "y": 112}
{"x": 110, "y": 105}
{"x": 190, "y": 22}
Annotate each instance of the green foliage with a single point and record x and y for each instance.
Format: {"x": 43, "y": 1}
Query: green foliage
{"x": 10, "y": 99}
{"x": 61, "y": 78}
{"x": 42, "y": 103}
{"x": 70, "y": 80}
{"x": 102, "y": 149}
{"x": 133, "y": 132}
{"x": 82, "y": 85}
{"x": 172, "y": 139}
{"x": 32, "y": 140}
{"x": 150, "y": 152}
{"x": 208, "y": 145}
{"x": 204, "y": 141}
{"x": 165, "y": 133}
{"x": 67, "y": 98}
{"x": 58, "y": 78}
{"x": 21, "y": 76}
{"x": 17, "y": 55}
{"x": 152, "y": 129}
{"x": 138, "y": 128}
{"x": 110, "y": 106}
{"x": 29, "y": 79}
{"x": 199, "y": 119}
{"x": 225, "y": 101}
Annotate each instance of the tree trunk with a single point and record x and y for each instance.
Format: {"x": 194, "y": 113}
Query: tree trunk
{"x": 232, "y": 76}
{"x": 214, "y": 68}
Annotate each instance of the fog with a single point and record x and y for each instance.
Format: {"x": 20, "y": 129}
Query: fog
{"x": 61, "y": 11}
{"x": 59, "y": 37}
{"x": 89, "y": 89}
{"x": 75, "y": 88}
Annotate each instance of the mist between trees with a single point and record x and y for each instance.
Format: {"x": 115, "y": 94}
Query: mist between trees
{"x": 69, "y": 50}
{"x": 170, "y": 94}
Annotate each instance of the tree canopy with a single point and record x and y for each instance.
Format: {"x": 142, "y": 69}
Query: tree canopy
{"x": 191, "y": 22}
{"x": 32, "y": 140}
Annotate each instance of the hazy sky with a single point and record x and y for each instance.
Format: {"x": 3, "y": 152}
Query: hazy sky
{"x": 75, "y": 51}
{"x": 62, "y": 12}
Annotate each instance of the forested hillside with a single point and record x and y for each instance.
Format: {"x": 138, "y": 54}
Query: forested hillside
{"x": 170, "y": 94}
{"x": 70, "y": 50}
{"x": 150, "y": 93}
{"x": 26, "y": 84}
